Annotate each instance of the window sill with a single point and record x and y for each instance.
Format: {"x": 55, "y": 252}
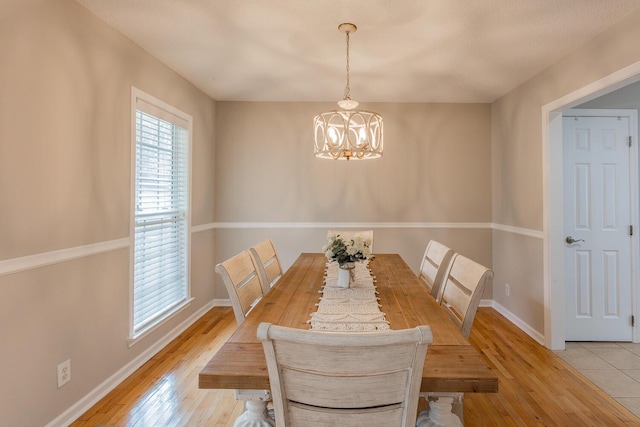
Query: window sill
{"x": 134, "y": 339}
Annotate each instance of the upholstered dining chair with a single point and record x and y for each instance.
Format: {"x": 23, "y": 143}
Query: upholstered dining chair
{"x": 266, "y": 259}
{"x": 349, "y": 234}
{"x": 240, "y": 276}
{"x": 345, "y": 379}
{"x": 434, "y": 267}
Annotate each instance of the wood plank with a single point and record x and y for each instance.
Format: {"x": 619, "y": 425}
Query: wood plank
{"x": 288, "y": 303}
{"x": 447, "y": 368}
{"x": 454, "y": 364}
{"x": 408, "y": 303}
{"x": 536, "y": 386}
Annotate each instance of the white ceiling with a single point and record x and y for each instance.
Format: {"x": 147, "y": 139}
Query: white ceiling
{"x": 403, "y": 51}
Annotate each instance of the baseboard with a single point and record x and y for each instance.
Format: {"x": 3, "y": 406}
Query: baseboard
{"x": 80, "y": 407}
{"x": 521, "y": 324}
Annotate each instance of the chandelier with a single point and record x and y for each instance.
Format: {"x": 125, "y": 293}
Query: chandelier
{"x": 348, "y": 133}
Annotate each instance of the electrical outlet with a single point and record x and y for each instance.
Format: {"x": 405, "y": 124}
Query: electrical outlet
{"x": 507, "y": 289}
{"x": 64, "y": 373}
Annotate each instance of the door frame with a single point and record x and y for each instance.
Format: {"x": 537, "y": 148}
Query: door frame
{"x": 632, "y": 116}
{"x": 553, "y": 218}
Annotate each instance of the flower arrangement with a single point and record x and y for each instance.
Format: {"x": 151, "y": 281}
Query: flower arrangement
{"x": 345, "y": 251}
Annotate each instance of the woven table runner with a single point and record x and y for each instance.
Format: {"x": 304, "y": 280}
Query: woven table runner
{"x": 354, "y": 308}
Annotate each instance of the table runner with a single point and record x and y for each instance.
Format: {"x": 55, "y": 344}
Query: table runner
{"x": 349, "y": 309}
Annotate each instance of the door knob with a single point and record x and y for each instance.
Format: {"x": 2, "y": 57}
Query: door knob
{"x": 571, "y": 240}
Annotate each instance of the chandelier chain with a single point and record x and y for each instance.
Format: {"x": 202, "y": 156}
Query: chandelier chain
{"x": 347, "y": 89}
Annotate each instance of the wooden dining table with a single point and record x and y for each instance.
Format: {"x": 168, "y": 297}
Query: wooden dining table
{"x": 452, "y": 364}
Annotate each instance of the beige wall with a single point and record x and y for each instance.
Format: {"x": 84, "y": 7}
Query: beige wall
{"x": 436, "y": 169}
{"x": 627, "y": 97}
{"x": 65, "y": 96}
{"x": 65, "y": 80}
{"x": 517, "y": 163}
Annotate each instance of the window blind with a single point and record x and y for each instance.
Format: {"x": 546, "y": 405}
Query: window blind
{"x": 160, "y": 264}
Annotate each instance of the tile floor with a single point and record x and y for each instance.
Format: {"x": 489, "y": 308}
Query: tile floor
{"x": 613, "y": 367}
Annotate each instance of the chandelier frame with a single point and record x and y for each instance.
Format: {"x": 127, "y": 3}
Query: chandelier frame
{"x": 348, "y": 133}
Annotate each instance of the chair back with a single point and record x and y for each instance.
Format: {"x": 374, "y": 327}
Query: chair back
{"x": 240, "y": 276}
{"x": 269, "y": 267}
{"x": 349, "y": 234}
{"x": 346, "y": 379}
{"x": 463, "y": 287}
{"x": 434, "y": 267}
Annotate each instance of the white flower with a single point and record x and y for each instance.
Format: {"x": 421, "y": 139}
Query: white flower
{"x": 347, "y": 250}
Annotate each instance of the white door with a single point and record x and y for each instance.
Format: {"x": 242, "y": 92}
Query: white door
{"x": 597, "y": 212}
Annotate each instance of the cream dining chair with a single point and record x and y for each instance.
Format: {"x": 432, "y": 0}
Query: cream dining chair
{"x": 266, "y": 259}
{"x": 240, "y": 276}
{"x": 242, "y": 280}
{"x": 462, "y": 289}
{"x": 344, "y": 379}
{"x": 434, "y": 267}
{"x": 463, "y": 286}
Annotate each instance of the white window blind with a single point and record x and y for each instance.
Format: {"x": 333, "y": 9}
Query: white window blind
{"x": 161, "y": 230}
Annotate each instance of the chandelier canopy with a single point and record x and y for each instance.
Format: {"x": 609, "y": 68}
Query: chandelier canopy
{"x": 348, "y": 133}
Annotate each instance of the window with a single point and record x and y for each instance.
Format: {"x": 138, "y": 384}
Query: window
{"x": 160, "y": 212}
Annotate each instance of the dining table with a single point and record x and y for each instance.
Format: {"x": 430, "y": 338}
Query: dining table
{"x": 452, "y": 364}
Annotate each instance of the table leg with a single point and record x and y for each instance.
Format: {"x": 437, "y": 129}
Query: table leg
{"x": 256, "y": 413}
{"x": 457, "y": 406}
{"x": 445, "y": 409}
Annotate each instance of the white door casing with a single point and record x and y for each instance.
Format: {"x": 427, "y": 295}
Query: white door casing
{"x": 553, "y": 247}
{"x": 597, "y": 211}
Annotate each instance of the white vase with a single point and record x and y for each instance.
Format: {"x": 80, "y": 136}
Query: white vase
{"x": 344, "y": 276}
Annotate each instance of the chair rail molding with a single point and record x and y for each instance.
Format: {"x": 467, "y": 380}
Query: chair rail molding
{"x": 518, "y": 230}
{"x": 378, "y": 225}
{"x": 29, "y": 262}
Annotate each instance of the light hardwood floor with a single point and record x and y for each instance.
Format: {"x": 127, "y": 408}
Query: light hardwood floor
{"x": 537, "y": 388}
